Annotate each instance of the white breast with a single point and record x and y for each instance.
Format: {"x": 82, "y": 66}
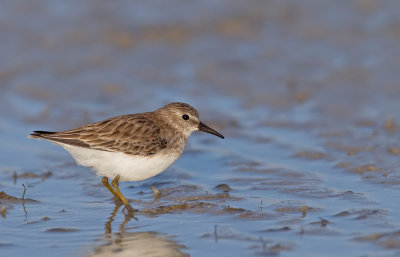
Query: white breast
{"x": 129, "y": 167}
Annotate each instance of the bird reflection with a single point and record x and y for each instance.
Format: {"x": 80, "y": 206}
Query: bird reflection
{"x": 128, "y": 216}
{"x": 126, "y": 243}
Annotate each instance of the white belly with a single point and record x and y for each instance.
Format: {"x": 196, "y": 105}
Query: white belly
{"x": 129, "y": 167}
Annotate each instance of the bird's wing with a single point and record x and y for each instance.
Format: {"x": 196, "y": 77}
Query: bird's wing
{"x": 131, "y": 134}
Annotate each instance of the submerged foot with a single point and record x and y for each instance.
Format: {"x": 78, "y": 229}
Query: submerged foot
{"x": 130, "y": 209}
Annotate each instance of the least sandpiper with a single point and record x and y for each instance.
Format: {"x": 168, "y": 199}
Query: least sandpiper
{"x": 131, "y": 147}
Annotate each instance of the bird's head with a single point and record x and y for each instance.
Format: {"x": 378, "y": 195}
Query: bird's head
{"x": 184, "y": 117}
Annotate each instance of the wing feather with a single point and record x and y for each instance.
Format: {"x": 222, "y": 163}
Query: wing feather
{"x": 132, "y": 134}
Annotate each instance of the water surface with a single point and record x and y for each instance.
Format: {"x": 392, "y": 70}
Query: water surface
{"x": 306, "y": 94}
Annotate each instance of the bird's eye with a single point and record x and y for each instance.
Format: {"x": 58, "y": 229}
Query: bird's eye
{"x": 185, "y": 116}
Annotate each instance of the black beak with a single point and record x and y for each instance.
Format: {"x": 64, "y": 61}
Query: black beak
{"x": 203, "y": 127}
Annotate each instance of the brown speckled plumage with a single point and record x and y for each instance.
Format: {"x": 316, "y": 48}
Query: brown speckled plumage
{"x": 141, "y": 134}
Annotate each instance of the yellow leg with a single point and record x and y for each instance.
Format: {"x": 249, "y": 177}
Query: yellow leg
{"x": 105, "y": 183}
{"x": 114, "y": 183}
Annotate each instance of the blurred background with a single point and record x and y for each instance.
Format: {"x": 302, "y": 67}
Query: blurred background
{"x": 306, "y": 92}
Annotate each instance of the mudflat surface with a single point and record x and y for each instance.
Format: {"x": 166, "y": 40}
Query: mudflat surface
{"x": 305, "y": 92}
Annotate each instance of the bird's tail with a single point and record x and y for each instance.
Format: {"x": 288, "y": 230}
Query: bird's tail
{"x": 40, "y": 134}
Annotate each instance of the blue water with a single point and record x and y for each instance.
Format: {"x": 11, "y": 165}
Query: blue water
{"x": 306, "y": 94}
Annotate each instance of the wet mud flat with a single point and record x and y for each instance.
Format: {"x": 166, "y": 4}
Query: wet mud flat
{"x": 305, "y": 92}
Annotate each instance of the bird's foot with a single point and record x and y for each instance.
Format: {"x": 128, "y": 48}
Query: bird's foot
{"x": 130, "y": 210}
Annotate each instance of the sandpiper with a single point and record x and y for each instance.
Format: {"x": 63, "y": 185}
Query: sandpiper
{"x": 131, "y": 147}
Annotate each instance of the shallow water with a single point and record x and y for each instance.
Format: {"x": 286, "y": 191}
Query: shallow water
{"x": 306, "y": 94}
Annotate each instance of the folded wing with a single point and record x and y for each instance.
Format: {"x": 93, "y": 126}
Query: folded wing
{"x": 131, "y": 134}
